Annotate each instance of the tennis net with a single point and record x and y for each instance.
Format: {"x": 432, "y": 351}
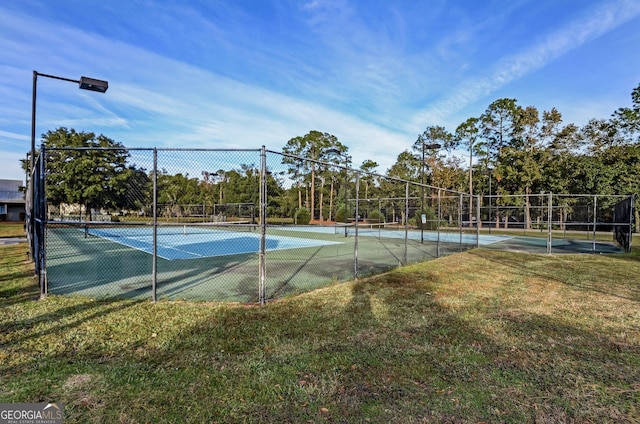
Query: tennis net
{"x": 382, "y": 229}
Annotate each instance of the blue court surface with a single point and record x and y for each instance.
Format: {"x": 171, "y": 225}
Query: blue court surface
{"x": 366, "y": 231}
{"x": 195, "y": 243}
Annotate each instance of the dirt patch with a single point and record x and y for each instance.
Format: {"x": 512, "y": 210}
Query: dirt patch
{"x": 77, "y": 381}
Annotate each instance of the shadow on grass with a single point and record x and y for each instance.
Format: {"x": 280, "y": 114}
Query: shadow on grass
{"x": 18, "y": 283}
{"x": 20, "y": 294}
{"x": 390, "y": 348}
{"x": 27, "y": 326}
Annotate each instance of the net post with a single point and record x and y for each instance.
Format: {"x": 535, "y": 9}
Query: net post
{"x": 263, "y": 228}
{"x": 154, "y": 266}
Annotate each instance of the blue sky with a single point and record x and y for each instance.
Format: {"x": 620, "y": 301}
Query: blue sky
{"x": 242, "y": 74}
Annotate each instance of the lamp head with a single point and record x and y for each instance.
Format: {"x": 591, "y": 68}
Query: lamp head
{"x": 92, "y": 84}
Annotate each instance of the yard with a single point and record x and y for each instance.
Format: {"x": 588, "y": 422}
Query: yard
{"x": 481, "y": 336}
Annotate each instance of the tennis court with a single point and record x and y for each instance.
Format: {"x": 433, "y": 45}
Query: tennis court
{"x": 221, "y": 262}
{"x": 398, "y": 232}
{"x": 558, "y": 245}
{"x": 158, "y": 237}
{"x": 193, "y": 241}
{"x": 574, "y": 243}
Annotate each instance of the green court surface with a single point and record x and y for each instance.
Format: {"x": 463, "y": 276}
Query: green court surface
{"x": 96, "y": 266}
{"x": 223, "y": 269}
{"x": 558, "y": 245}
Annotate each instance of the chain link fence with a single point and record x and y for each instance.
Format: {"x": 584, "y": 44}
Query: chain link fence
{"x": 566, "y": 221}
{"x": 250, "y": 225}
{"x": 245, "y": 225}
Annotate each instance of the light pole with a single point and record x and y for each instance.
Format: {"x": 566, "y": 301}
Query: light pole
{"x": 432, "y": 146}
{"x": 84, "y": 83}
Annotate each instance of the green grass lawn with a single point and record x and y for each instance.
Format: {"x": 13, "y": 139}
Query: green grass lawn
{"x": 481, "y": 336}
{"x": 12, "y": 229}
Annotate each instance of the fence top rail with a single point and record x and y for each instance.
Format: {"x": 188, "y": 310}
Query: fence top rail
{"x": 590, "y": 195}
{"x": 381, "y": 199}
{"x": 150, "y": 149}
{"x": 545, "y": 195}
{"x": 360, "y": 172}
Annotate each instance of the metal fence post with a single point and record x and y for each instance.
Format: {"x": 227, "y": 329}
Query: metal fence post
{"x": 406, "y": 221}
{"x": 35, "y": 226}
{"x": 42, "y": 226}
{"x": 549, "y": 224}
{"x": 438, "y": 224}
{"x": 355, "y": 248}
{"x": 631, "y": 222}
{"x": 154, "y": 266}
{"x": 478, "y": 222}
{"x": 595, "y": 221}
{"x": 460, "y": 220}
{"x": 262, "y": 272}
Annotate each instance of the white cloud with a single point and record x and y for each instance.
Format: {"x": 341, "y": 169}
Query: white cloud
{"x": 596, "y": 23}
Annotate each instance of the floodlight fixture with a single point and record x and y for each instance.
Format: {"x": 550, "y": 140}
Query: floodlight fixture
{"x": 93, "y": 84}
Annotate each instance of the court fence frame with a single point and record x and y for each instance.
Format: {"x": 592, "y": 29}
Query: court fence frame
{"x": 415, "y": 207}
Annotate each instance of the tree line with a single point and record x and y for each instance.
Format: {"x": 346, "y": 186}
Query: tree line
{"x": 512, "y": 150}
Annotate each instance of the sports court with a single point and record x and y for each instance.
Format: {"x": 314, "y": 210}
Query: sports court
{"x": 398, "y": 232}
{"x": 220, "y": 262}
{"x": 214, "y": 262}
{"x": 179, "y": 232}
{"x": 193, "y": 241}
